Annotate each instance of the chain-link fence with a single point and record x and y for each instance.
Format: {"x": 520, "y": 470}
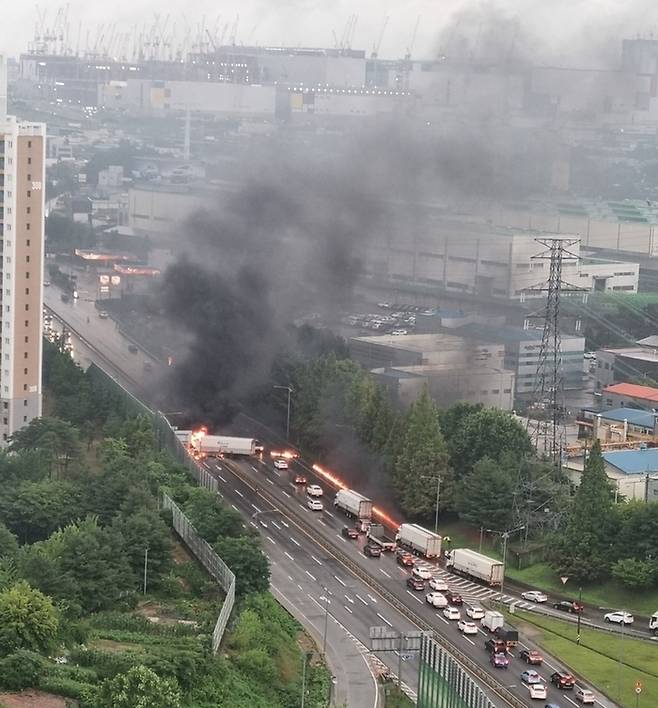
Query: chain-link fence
{"x": 210, "y": 561}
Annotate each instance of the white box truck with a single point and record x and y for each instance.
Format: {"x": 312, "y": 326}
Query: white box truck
{"x": 653, "y": 623}
{"x": 472, "y": 564}
{"x": 492, "y": 620}
{"x": 419, "y": 540}
{"x": 353, "y": 504}
{"x": 217, "y": 445}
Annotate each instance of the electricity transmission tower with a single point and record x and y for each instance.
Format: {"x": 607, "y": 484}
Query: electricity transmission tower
{"x": 546, "y": 413}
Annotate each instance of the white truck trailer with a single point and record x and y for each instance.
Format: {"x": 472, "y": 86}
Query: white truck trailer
{"x": 353, "y": 504}
{"x": 218, "y": 445}
{"x": 419, "y": 540}
{"x": 472, "y": 564}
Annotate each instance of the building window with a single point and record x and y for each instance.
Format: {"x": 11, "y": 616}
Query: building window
{"x": 25, "y": 399}
{"x": 29, "y": 160}
{"x": 24, "y": 355}
{"x": 5, "y": 421}
{"x": 27, "y": 275}
{"x": 25, "y": 371}
{"x": 4, "y": 436}
{"x": 29, "y": 192}
{"x": 27, "y": 323}
{"x": 25, "y": 419}
{"x": 27, "y": 227}
{"x": 27, "y": 339}
{"x": 5, "y": 405}
{"x": 29, "y": 177}
{"x": 27, "y": 243}
{"x": 29, "y": 143}
{"x": 27, "y": 291}
{"x": 25, "y": 389}
{"x": 27, "y": 307}
{"x": 27, "y": 259}
{"x": 495, "y": 390}
{"x": 29, "y": 210}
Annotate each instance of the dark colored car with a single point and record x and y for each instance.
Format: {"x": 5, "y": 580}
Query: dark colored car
{"x": 572, "y": 606}
{"x": 454, "y": 598}
{"x": 531, "y": 656}
{"x": 563, "y": 679}
{"x": 495, "y": 646}
{"x": 372, "y": 550}
{"x": 415, "y": 583}
{"x": 148, "y": 366}
{"x": 300, "y": 479}
{"x": 405, "y": 558}
{"x": 349, "y": 532}
{"x": 499, "y": 661}
{"x": 133, "y": 349}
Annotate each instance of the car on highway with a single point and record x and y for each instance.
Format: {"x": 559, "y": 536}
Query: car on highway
{"x": 499, "y": 661}
{"x": 495, "y": 646}
{"x": 349, "y": 532}
{"x": 451, "y": 613}
{"x": 422, "y": 573}
{"x": 436, "y": 599}
{"x": 466, "y": 627}
{"x": 454, "y": 598}
{"x": 314, "y": 490}
{"x": 404, "y": 558}
{"x": 280, "y": 463}
{"x": 133, "y": 348}
{"x": 314, "y": 504}
{"x": 372, "y": 550}
{"x": 572, "y": 606}
{"x": 438, "y": 584}
{"x": 531, "y": 676}
{"x": 585, "y": 696}
{"x": 619, "y": 617}
{"x": 534, "y": 596}
{"x": 398, "y": 332}
{"x": 475, "y": 612}
{"x": 531, "y": 656}
{"x": 563, "y": 680}
{"x": 300, "y": 479}
{"x": 103, "y": 314}
{"x": 537, "y": 691}
{"x": 415, "y": 583}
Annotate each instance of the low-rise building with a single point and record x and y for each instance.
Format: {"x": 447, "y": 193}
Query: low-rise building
{"x": 626, "y": 395}
{"x": 624, "y": 424}
{"x": 625, "y": 364}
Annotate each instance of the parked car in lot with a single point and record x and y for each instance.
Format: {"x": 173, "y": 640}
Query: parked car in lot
{"x": 415, "y": 583}
{"x": 436, "y": 599}
{"x": 619, "y": 617}
{"x": 451, "y": 613}
{"x": 534, "y": 596}
{"x": 405, "y": 558}
{"x": 531, "y": 676}
{"x": 499, "y": 661}
{"x": 438, "y": 584}
{"x": 537, "y": 691}
{"x": 349, "y": 532}
{"x": 372, "y": 550}
{"x": 572, "y": 606}
{"x": 454, "y": 598}
{"x": 314, "y": 504}
{"x": 475, "y": 612}
{"x": 422, "y": 573}
{"x": 531, "y": 656}
{"x": 280, "y": 463}
{"x": 466, "y": 627}
{"x": 563, "y": 680}
{"x": 585, "y": 696}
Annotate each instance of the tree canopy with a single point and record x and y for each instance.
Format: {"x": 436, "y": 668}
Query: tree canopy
{"x": 27, "y": 619}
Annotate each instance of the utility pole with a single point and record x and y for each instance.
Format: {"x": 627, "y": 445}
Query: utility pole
{"x": 290, "y": 389}
{"x": 146, "y": 565}
{"x": 505, "y": 535}
{"x": 305, "y": 659}
{"x": 438, "y": 481}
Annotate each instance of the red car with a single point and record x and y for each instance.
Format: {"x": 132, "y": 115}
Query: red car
{"x": 415, "y": 583}
{"x": 499, "y": 661}
{"x": 300, "y": 479}
{"x": 454, "y": 598}
{"x": 405, "y": 558}
{"x": 563, "y": 679}
{"x": 531, "y": 656}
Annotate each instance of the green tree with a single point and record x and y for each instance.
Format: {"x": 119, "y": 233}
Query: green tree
{"x": 638, "y": 530}
{"x": 27, "y": 619}
{"x": 209, "y": 517}
{"x": 423, "y": 455}
{"x": 484, "y": 495}
{"x": 452, "y": 420}
{"x": 22, "y": 669}
{"x": 635, "y": 573}
{"x": 584, "y": 550}
{"x": 245, "y": 558}
{"x": 138, "y": 688}
{"x": 8, "y": 543}
{"x": 56, "y": 437}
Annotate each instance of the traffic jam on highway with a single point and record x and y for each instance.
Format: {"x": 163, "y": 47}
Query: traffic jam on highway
{"x": 455, "y": 589}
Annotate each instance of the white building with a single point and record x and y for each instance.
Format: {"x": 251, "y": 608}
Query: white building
{"x": 22, "y": 189}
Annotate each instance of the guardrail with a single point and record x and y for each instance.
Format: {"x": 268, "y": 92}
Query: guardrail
{"x": 464, "y": 660}
{"x": 210, "y": 561}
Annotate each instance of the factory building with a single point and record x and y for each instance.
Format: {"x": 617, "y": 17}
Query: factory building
{"x": 626, "y": 395}
{"x": 626, "y": 364}
{"x": 22, "y": 189}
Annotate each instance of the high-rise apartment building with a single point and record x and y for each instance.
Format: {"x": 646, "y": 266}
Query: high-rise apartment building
{"x": 22, "y": 185}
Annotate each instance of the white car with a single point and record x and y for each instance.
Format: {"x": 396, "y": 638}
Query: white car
{"x": 314, "y": 490}
{"x": 422, "y": 573}
{"x": 398, "y": 332}
{"x": 584, "y": 695}
{"x": 451, "y": 613}
{"x": 467, "y": 627}
{"x": 438, "y": 584}
{"x": 475, "y": 612}
{"x": 436, "y": 599}
{"x": 281, "y": 464}
{"x": 619, "y": 617}
{"x": 314, "y": 504}
{"x": 534, "y": 596}
{"x": 538, "y": 691}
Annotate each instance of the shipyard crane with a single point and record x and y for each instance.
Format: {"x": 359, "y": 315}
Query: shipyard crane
{"x": 375, "y": 49}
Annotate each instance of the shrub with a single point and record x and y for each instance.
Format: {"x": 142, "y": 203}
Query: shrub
{"x": 21, "y": 669}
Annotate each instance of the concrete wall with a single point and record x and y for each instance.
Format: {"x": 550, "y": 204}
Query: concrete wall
{"x": 152, "y": 211}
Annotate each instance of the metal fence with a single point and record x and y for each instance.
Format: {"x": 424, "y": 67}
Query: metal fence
{"x": 210, "y": 561}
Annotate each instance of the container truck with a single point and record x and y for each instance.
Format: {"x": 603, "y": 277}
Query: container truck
{"x": 419, "y": 540}
{"x": 472, "y": 564}
{"x": 377, "y": 535}
{"x": 218, "y": 445}
{"x": 353, "y": 504}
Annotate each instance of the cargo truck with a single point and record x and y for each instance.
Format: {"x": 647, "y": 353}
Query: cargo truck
{"x": 218, "y": 445}
{"x": 653, "y": 623}
{"x": 492, "y": 620}
{"x": 353, "y": 504}
{"x": 472, "y": 564}
{"x": 419, "y": 540}
{"x": 377, "y": 535}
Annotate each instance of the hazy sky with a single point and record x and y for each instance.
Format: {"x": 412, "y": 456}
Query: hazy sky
{"x": 568, "y": 27}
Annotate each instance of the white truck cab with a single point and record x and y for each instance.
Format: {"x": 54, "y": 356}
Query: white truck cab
{"x": 653, "y": 623}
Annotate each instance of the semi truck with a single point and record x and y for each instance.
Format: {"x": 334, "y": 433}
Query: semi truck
{"x": 472, "y": 564}
{"x": 376, "y": 534}
{"x": 653, "y": 623}
{"x": 353, "y": 504}
{"x": 419, "y": 540}
{"x": 219, "y": 445}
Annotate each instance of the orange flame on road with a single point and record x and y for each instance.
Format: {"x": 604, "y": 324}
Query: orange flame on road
{"x": 285, "y": 454}
{"x": 339, "y": 484}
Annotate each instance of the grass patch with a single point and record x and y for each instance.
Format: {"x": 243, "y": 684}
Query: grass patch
{"x": 597, "y": 657}
{"x": 394, "y": 698}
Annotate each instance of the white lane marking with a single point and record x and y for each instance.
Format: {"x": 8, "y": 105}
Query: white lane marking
{"x": 270, "y": 481}
{"x": 285, "y": 553}
{"x": 286, "y": 493}
{"x": 384, "y": 572}
{"x": 329, "y": 513}
{"x": 276, "y": 526}
{"x": 254, "y": 469}
{"x": 311, "y": 576}
{"x": 219, "y": 468}
{"x": 414, "y": 597}
{"x": 347, "y": 608}
{"x": 300, "y": 587}
{"x": 240, "y": 494}
{"x": 468, "y": 640}
{"x": 381, "y": 617}
{"x": 223, "y": 480}
{"x": 290, "y": 576}
{"x": 297, "y": 543}
{"x": 443, "y": 619}
{"x": 571, "y": 701}
{"x": 257, "y": 509}
{"x": 341, "y": 538}
{"x": 349, "y": 599}
{"x": 322, "y": 522}
{"x": 271, "y": 540}
{"x": 253, "y": 524}
{"x": 340, "y": 581}
{"x": 370, "y": 597}
{"x": 285, "y": 524}
{"x": 358, "y": 597}
{"x": 319, "y": 562}
{"x": 235, "y": 507}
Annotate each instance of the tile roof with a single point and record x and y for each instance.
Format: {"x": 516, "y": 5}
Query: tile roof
{"x": 626, "y": 389}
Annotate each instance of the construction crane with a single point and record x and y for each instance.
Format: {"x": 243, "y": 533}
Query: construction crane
{"x": 375, "y": 48}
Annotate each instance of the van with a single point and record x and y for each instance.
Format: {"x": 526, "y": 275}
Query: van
{"x": 492, "y": 620}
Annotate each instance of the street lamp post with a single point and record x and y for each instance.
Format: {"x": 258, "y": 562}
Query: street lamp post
{"x": 326, "y": 619}
{"x": 438, "y": 480}
{"x": 505, "y": 535}
{"x": 290, "y": 390}
{"x": 580, "y": 603}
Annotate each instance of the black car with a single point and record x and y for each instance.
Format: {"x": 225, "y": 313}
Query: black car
{"x": 563, "y": 679}
{"x": 572, "y": 606}
{"x": 133, "y": 349}
{"x": 454, "y": 598}
{"x": 415, "y": 583}
{"x": 372, "y": 550}
{"x": 349, "y": 532}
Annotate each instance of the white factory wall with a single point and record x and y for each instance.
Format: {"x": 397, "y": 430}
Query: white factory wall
{"x": 152, "y": 211}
